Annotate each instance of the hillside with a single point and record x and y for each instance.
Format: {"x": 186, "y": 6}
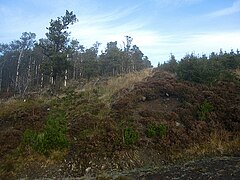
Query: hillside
{"x": 143, "y": 119}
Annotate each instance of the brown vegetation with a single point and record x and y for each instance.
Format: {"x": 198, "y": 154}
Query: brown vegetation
{"x": 125, "y": 124}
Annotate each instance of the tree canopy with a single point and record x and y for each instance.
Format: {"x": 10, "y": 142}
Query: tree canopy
{"x": 29, "y": 64}
{"x": 203, "y": 69}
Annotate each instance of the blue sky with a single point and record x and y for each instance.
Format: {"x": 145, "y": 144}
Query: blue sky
{"x": 158, "y": 27}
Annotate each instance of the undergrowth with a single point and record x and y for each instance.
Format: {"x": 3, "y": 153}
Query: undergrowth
{"x": 220, "y": 142}
{"x": 14, "y": 108}
{"x": 86, "y": 118}
{"x": 53, "y": 136}
{"x": 130, "y": 135}
{"x": 156, "y": 130}
{"x": 204, "y": 109}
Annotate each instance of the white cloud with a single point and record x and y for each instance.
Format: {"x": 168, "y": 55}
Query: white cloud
{"x": 203, "y": 43}
{"x": 235, "y": 8}
{"x": 106, "y": 27}
{"x": 210, "y": 41}
{"x": 96, "y": 18}
{"x": 175, "y": 3}
{"x": 159, "y": 46}
{"x": 114, "y": 26}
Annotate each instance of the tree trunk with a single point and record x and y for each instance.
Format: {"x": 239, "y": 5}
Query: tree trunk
{"x": 65, "y": 78}
{"x": 41, "y": 81}
{"x": 28, "y": 80}
{"x": 1, "y": 77}
{"x": 18, "y": 67}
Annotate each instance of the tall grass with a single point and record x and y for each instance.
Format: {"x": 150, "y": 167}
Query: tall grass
{"x": 114, "y": 84}
{"x": 219, "y": 143}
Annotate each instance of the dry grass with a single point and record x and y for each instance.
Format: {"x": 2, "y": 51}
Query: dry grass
{"x": 221, "y": 142}
{"x": 55, "y": 157}
{"x": 11, "y": 106}
{"x": 114, "y": 84}
{"x": 238, "y": 72}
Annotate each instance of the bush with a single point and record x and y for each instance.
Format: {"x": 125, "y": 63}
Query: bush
{"x": 204, "y": 110}
{"x": 53, "y": 136}
{"x": 130, "y": 136}
{"x": 156, "y": 131}
{"x": 199, "y": 70}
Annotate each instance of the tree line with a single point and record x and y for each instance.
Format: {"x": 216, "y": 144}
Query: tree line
{"x": 203, "y": 69}
{"x": 27, "y": 64}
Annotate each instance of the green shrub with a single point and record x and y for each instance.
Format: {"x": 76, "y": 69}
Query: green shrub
{"x": 204, "y": 109}
{"x": 199, "y": 70}
{"x": 130, "y": 136}
{"x": 29, "y": 137}
{"x": 156, "y": 131}
{"x": 51, "y": 138}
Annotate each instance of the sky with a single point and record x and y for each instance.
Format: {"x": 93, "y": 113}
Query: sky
{"x": 158, "y": 27}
